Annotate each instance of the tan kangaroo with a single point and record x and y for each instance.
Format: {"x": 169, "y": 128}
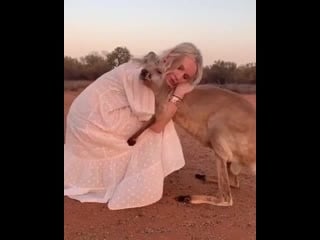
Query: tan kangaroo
{"x": 219, "y": 119}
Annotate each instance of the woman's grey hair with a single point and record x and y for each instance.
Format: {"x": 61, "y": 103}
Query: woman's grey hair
{"x": 187, "y": 49}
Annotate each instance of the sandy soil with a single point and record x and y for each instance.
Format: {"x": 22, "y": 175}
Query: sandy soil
{"x": 168, "y": 219}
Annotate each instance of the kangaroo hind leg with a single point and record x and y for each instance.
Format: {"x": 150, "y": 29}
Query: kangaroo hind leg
{"x": 222, "y": 154}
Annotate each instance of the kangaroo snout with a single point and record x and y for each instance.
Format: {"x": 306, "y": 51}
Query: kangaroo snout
{"x": 143, "y": 74}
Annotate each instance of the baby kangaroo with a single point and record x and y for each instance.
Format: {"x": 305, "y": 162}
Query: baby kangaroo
{"x": 219, "y": 119}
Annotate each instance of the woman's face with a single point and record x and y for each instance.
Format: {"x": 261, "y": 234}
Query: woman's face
{"x": 182, "y": 70}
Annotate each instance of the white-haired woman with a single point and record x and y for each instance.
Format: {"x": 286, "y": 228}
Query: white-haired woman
{"x": 99, "y": 165}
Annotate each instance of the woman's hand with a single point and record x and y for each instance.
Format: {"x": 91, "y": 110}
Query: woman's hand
{"x": 183, "y": 88}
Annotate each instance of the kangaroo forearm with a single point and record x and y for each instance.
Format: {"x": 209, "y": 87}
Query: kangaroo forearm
{"x": 147, "y": 125}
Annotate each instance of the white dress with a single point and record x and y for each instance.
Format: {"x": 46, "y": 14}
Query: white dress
{"x": 99, "y": 166}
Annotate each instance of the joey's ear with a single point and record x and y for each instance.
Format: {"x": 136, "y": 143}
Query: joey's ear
{"x": 150, "y": 57}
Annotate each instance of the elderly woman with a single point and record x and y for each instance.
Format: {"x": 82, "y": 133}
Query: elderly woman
{"x": 99, "y": 165}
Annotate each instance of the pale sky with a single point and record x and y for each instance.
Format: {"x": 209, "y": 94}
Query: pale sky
{"x": 221, "y": 29}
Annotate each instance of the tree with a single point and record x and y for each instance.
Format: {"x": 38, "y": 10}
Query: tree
{"x": 94, "y": 65}
{"x": 71, "y": 68}
{"x": 92, "y": 59}
{"x": 246, "y": 74}
{"x": 220, "y": 72}
{"x": 118, "y": 56}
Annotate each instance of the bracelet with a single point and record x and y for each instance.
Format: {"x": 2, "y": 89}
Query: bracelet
{"x": 175, "y": 99}
{"x": 178, "y": 97}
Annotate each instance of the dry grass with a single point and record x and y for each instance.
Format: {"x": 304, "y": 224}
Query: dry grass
{"x": 75, "y": 85}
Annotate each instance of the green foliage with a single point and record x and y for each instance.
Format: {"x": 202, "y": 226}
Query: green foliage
{"x": 118, "y": 56}
{"x": 93, "y": 65}
{"x": 227, "y": 72}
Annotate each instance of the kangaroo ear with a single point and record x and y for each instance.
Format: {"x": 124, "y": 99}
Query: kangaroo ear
{"x": 150, "y": 57}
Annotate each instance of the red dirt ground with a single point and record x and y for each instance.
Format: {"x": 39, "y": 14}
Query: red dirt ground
{"x": 168, "y": 219}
